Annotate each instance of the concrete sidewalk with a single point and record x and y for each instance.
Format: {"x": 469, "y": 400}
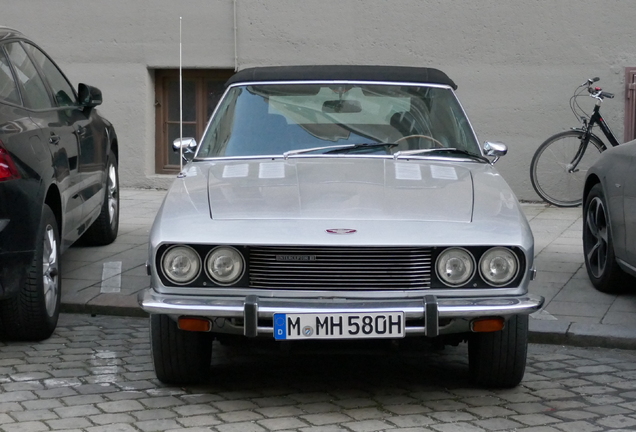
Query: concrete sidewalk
{"x": 105, "y": 280}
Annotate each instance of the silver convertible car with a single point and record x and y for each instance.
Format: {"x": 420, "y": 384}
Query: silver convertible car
{"x": 340, "y": 202}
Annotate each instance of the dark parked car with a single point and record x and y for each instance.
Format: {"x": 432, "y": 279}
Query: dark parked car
{"x": 609, "y": 219}
{"x": 58, "y": 183}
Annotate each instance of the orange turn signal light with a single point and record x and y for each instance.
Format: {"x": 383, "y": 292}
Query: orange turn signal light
{"x": 194, "y": 324}
{"x": 485, "y": 325}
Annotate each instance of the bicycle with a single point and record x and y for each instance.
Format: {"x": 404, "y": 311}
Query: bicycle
{"x": 559, "y": 165}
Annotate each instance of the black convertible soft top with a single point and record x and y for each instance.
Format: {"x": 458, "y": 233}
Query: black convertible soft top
{"x": 343, "y": 72}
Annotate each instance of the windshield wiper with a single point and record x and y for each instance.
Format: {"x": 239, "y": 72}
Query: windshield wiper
{"x": 440, "y": 150}
{"x": 336, "y": 148}
{"x": 362, "y": 145}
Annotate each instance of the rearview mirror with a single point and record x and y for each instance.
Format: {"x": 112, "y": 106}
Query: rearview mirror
{"x": 495, "y": 149}
{"x": 341, "y": 106}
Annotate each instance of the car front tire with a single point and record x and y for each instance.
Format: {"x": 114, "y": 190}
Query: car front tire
{"x": 598, "y": 245}
{"x": 104, "y": 230}
{"x": 33, "y": 313}
{"x": 180, "y": 357}
{"x": 498, "y": 359}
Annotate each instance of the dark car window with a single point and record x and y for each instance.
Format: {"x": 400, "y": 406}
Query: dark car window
{"x": 8, "y": 87}
{"x": 62, "y": 90}
{"x": 36, "y": 95}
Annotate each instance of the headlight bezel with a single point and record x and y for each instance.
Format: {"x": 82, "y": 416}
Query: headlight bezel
{"x": 477, "y": 281}
{"x": 507, "y": 281}
{"x": 202, "y": 280}
{"x": 460, "y": 250}
{"x": 209, "y": 272}
{"x": 166, "y": 274}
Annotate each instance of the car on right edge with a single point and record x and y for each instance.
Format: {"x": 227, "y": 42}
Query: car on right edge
{"x": 609, "y": 219}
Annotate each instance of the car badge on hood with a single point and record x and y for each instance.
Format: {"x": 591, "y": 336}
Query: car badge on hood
{"x": 341, "y": 231}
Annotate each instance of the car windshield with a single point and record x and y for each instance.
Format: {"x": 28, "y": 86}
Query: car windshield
{"x": 328, "y": 119}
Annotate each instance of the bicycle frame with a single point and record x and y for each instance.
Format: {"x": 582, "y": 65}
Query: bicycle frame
{"x": 596, "y": 118}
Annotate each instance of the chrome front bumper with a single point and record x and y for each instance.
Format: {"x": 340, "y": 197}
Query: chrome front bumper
{"x": 252, "y": 308}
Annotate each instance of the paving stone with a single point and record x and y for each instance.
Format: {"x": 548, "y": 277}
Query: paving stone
{"x": 411, "y": 420}
{"x": 240, "y": 427}
{"x": 617, "y": 421}
{"x": 534, "y": 419}
{"x": 326, "y": 418}
{"x": 498, "y": 424}
{"x": 156, "y": 425}
{"x": 32, "y": 415}
{"x": 120, "y": 406}
{"x": 457, "y": 427}
{"x": 33, "y": 426}
{"x": 68, "y": 423}
{"x": 106, "y": 419}
{"x": 199, "y": 420}
{"x": 153, "y": 414}
{"x": 368, "y": 426}
{"x": 282, "y": 423}
{"x": 76, "y": 411}
{"x": 579, "y": 426}
{"x": 239, "y": 416}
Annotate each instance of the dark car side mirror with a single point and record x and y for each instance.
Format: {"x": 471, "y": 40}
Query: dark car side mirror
{"x": 89, "y": 96}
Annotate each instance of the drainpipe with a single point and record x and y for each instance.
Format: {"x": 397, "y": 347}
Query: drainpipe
{"x": 235, "y": 41}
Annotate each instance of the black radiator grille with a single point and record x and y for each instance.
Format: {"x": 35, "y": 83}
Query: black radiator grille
{"x": 340, "y": 268}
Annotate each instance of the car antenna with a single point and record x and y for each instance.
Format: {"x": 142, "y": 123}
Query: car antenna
{"x": 180, "y": 102}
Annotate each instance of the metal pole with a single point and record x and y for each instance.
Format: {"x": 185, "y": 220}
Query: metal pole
{"x": 180, "y": 103}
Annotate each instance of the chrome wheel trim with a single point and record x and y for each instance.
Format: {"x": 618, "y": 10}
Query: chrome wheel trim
{"x": 50, "y": 270}
{"x": 112, "y": 194}
{"x": 596, "y": 233}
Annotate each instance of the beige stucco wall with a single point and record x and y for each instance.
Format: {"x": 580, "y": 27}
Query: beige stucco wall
{"x": 516, "y": 62}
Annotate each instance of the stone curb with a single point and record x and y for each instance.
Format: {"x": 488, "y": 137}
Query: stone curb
{"x": 582, "y": 335}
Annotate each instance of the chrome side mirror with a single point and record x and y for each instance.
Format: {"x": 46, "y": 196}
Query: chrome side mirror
{"x": 187, "y": 144}
{"x": 184, "y": 143}
{"x": 495, "y": 149}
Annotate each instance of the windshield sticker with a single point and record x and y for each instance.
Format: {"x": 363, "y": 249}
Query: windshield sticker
{"x": 443, "y": 172}
{"x": 232, "y": 171}
{"x": 271, "y": 170}
{"x": 406, "y": 171}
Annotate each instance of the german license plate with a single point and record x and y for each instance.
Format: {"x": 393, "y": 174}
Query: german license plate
{"x": 339, "y": 326}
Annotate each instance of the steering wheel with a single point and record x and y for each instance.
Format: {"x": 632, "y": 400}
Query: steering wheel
{"x": 436, "y": 142}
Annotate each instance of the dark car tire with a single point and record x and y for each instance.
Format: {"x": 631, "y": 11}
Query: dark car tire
{"x": 598, "y": 245}
{"x": 104, "y": 230}
{"x": 33, "y": 313}
{"x": 180, "y": 357}
{"x": 498, "y": 359}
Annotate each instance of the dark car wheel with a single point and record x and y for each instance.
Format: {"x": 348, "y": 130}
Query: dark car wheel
{"x": 33, "y": 313}
{"x": 498, "y": 359}
{"x": 180, "y": 357}
{"x": 104, "y": 230}
{"x": 598, "y": 245}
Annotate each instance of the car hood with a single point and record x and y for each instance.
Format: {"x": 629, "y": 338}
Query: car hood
{"x": 299, "y": 200}
{"x": 341, "y": 188}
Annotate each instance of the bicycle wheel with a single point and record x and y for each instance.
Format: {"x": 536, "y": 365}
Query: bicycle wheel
{"x": 549, "y": 168}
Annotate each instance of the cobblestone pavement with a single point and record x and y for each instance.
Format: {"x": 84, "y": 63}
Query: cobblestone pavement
{"x": 95, "y": 374}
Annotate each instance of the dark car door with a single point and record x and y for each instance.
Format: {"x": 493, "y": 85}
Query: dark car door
{"x": 55, "y": 119}
{"x": 90, "y": 139}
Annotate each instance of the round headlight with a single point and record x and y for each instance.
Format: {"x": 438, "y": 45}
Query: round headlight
{"x": 225, "y": 265}
{"x": 455, "y": 266}
{"x": 181, "y": 264}
{"x": 498, "y": 266}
